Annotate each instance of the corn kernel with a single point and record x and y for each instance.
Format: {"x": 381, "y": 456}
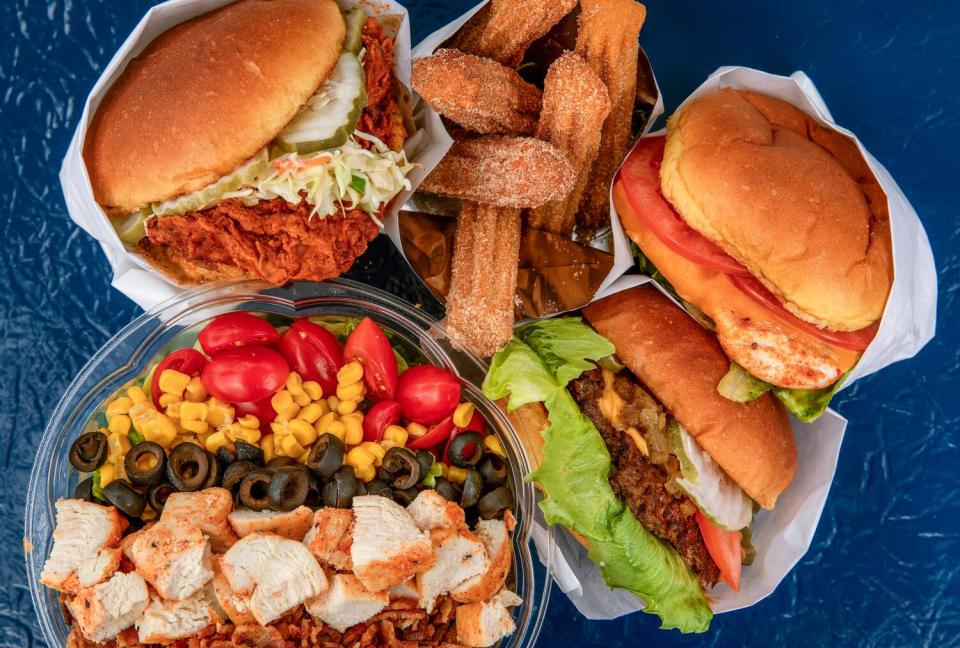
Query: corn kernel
{"x": 197, "y": 427}
{"x": 249, "y": 421}
{"x": 303, "y": 431}
{"x": 463, "y": 414}
{"x": 416, "y": 430}
{"x": 121, "y": 405}
{"x": 366, "y": 473}
{"x": 169, "y": 399}
{"x": 354, "y": 429}
{"x": 219, "y": 414}
{"x": 350, "y": 373}
{"x": 216, "y": 441}
{"x": 120, "y": 424}
{"x": 202, "y": 438}
{"x": 492, "y": 444}
{"x": 347, "y": 407}
{"x": 294, "y": 384}
{"x": 302, "y": 459}
{"x": 193, "y": 411}
{"x": 312, "y": 412}
{"x": 325, "y": 421}
{"x": 173, "y": 382}
{"x": 313, "y": 389}
{"x": 195, "y": 392}
{"x": 358, "y": 457}
{"x": 351, "y": 392}
{"x": 148, "y": 514}
{"x": 281, "y": 401}
{"x": 173, "y": 410}
{"x": 118, "y": 445}
{"x": 339, "y": 430}
{"x": 396, "y": 434}
{"x": 387, "y": 444}
{"x": 291, "y": 447}
{"x": 240, "y": 433}
{"x": 456, "y": 475}
{"x": 376, "y": 450}
{"x": 158, "y": 428}
{"x": 302, "y": 399}
{"x": 107, "y": 474}
{"x": 290, "y": 413}
{"x": 267, "y": 445}
{"x": 443, "y": 469}
{"x": 137, "y": 395}
{"x": 333, "y": 401}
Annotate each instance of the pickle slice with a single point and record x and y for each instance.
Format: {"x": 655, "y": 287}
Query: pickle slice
{"x": 355, "y": 18}
{"x": 132, "y": 228}
{"x": 330, "y": 116}
{"x": 245, "y": 175}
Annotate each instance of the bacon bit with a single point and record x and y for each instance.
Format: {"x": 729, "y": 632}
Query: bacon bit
{"x": 291, "y": 165}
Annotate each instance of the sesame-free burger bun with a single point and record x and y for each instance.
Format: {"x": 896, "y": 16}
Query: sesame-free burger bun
{"x": 205, "y": 96}
{"x": 793, "y": 201}
{"x": 680, "y": 363}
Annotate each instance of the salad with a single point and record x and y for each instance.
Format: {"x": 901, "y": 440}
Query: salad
{"x": 287, "y": 476}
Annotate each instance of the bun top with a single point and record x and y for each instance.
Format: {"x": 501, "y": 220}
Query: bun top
{"x": 205, "y": 96}
{"x": 681, "y": 364}
{"x": 793, "y": 201}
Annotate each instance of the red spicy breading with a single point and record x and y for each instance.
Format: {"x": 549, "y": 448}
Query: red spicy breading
{"x": 382, "y": 117}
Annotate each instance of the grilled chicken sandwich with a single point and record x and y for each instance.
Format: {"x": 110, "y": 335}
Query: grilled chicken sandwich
{"x": 655, "y": 472}
{"x": 260, "y": 140}
{"x": 775, "y": 229}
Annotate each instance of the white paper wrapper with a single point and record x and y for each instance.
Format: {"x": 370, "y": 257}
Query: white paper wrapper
{"x": 622, "y": 257}
{"x": 132, "y": 275}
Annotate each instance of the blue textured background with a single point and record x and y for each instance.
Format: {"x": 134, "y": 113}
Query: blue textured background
{"x": 883, "y": 569}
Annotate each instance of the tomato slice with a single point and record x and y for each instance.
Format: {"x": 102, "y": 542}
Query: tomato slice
{"x": 245, "y": 374}
{"x": 476, "y": 423}
{"x": 378, "y": 418}
{"x": 852, "y": 340}
{"x": 313, "y": 352}
{"x": 725, "y": 549}
{"x": 262, "y": 409}
{"x": 428, "y": 394}
{"x": 369, "y": 346}
{"x": 187, "y": 361}
{"x": 436, "y": 435}
{"x": 236, "y": 329}
{"x": 641, "y": 181}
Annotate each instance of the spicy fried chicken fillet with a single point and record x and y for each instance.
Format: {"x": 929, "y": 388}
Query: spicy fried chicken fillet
{"x": 213, "y": 152}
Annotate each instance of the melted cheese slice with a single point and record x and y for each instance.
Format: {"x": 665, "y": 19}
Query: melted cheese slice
{"x": 611, "y": 405}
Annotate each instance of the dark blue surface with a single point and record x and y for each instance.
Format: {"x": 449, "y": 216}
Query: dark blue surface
{"x": 883, "y": 569}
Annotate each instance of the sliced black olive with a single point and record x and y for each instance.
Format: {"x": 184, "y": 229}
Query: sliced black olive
{"x": 493, "y": 469}
{"x": 188, "y": 466}
{"x": 215, "y": 473}
{"x": 133, "y": 525}
{"x": 157, "y": 496}
{"x": 381, "y": 488}
{"x": 314, "y": 491}
{"x": 281, "y": 462}
{"x": 225, "y": 456}
{"x": 425, "y": 459}
{"x": 472, "y": 489}
{"x": 402, "y": 465}
{"x": 493, "y": 504}
{"x": 361, "y": 489}
{"x": 234, "y": 474}
{"x": 84, "y": 490}
{"x": 140, "y": 470}
{"x": 465, "y": 449}
{"x": 404, "y": 495}
{"x": 122, "y": 495}
{"x": 340, "y": 490}
{"x": 249, "y": 452}
{"x": 254, "y": 490}
{"x": 288, "y": 489}
{"x": 326, "y": 456}
{"x": 447, "y": 489}
{"x": 89, "y": 451}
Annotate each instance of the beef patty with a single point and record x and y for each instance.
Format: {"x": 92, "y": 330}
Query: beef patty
{"x": 641, "y": 484}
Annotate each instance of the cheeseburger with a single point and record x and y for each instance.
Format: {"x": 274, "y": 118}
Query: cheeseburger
{"x": 774, "y": 229}
{"x": 261, "y": 140}
{"x": 638, "y": 454}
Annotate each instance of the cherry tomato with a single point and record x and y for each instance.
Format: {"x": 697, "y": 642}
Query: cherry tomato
{"x": 262, "y": 409}
{"x": 313, "y": 352}
{"x": 369, "y": 346}
{"x": 187, "y": 361}
{"x": 476, "y": 423}
{"x": 236, "y": 330}
{"x": 852, "y": 340}
{"x": 640, "y": 175}
{"x": 245, "y": 374}
{"x": 428, "y": 394}
{"x": 725, "y": 549}
{"x": 436, "y": 435}
{"x": 378, "y": 418}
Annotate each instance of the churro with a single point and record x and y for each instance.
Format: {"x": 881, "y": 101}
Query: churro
{"x": 502, "y": 170}
{"x": 608, "y": 41}
{"x": 483, "y": 281}
{"x": 504, "y": 29}
{"x": 477, "y": 93}
{"x": 575, "y": 105}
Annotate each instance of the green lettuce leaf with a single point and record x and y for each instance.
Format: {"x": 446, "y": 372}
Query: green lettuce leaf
{"x": 517, "y": 371}
{"x": 566, "y": 345}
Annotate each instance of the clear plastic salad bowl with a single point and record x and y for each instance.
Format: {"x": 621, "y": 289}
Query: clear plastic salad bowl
{"x": 125, "y": 356}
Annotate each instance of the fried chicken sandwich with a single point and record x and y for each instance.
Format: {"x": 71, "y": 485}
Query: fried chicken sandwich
{"x": 638, "y": 455}
{"x": 259, "y": 140}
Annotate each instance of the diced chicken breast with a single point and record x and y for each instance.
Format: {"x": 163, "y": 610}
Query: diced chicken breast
{"x": 234, "y": 605}
{"x": 292, "y": 525}
{"x": 105, "y": 610}
{"x": 460, "y": 555}
{"x": 174, "y": 557}
{"x": 273, "y": 573}
{"x": 484, "y": 624}
{"x": 166, "y": 621}
{"x": 431, "y": 510}
{"x": 126, "y": 545}
{"x": 496, "y": 540}
{"x": 405, "y": 590}
{"x": 208, "y": 509}
{"x": 387, "y": 548}
{"x": 330, "y": 538}
{"x": 83, "y": 545}
{"x": 346, "y": 603}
